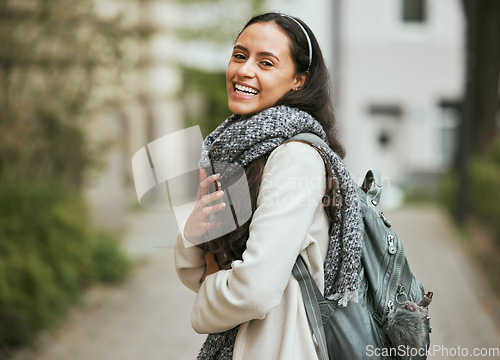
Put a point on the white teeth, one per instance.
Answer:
(245, 89)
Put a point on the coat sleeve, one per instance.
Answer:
(292, 188)
(189, 262)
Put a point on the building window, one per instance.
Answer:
(414, 11)
(387, 118)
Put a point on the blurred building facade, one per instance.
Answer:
(400, 79)
(397, 71)
(398, 76)
(149, 109)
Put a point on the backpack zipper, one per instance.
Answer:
(395, 276)
(388, 263)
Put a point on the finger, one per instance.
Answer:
(209, 198)
(205, 184)
(208, 210)
(219, 207)
(203, 177)
(203, 174)
(212, 265)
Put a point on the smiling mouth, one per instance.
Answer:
(245, 90)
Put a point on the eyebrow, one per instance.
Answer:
(262, 53)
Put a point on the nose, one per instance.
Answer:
(246, 70)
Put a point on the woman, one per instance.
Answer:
(247, 299)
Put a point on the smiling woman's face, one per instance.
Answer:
(261, 69)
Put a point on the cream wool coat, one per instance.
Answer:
(260, 292)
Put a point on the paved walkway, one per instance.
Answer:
(148, 318)
(462, 310)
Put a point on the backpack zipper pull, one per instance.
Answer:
(384, 219)
(390, 307)
(390, 242)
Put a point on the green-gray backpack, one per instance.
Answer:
(390, 319)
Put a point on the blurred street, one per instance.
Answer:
(88, 87)
(148, 318)
(463, 312)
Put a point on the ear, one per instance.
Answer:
(300, 79)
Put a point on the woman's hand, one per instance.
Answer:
(212, 265)
(198, 222)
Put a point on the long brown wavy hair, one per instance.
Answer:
(313, 97)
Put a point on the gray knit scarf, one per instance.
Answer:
(236, 143)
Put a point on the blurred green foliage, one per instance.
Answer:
(59, 61)
(483, 198)
(110, 260)
(482, 228)
(205, 98)
(216, 21)
(210, 22)
(48, 255)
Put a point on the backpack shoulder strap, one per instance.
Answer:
(372, 184)
(310, 138)
(311, 295)
(331, 186)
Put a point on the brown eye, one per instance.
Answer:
(239, 56)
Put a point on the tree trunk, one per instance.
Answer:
(483, 65)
